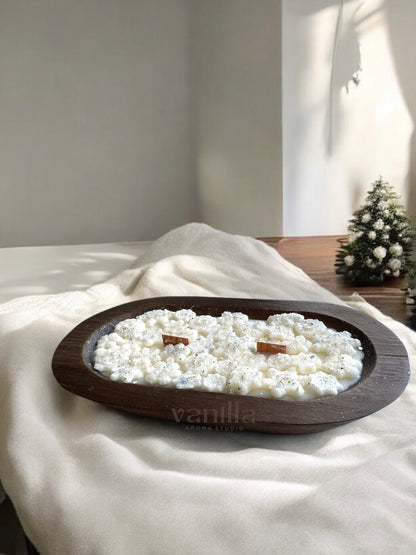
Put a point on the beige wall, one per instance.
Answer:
(338, 138)
(120, 119)
(94, 120)
(236, 86)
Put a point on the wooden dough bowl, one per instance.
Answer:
(384, 377)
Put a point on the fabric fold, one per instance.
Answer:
(88, 479)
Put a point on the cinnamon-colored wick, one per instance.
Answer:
(174, 339)
(263, 347)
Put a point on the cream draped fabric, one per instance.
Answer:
(86, 479)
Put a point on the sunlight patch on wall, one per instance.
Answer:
(346, 133)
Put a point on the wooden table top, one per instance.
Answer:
(315, 255)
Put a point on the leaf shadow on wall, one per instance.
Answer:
(400, 25)
(345, 64)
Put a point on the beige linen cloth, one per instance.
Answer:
(86, 479)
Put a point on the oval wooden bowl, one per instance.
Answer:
(384, 377)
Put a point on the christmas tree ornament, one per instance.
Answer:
(379, 242)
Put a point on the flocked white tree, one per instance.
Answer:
(380, 238)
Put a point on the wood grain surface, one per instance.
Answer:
(315, 255)
(384, 377)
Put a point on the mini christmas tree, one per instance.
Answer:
(380, 237)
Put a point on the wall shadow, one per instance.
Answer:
(400, 26)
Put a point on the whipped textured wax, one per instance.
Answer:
(221, 354)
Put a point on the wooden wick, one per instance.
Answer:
(263, 347)
(174, 339)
